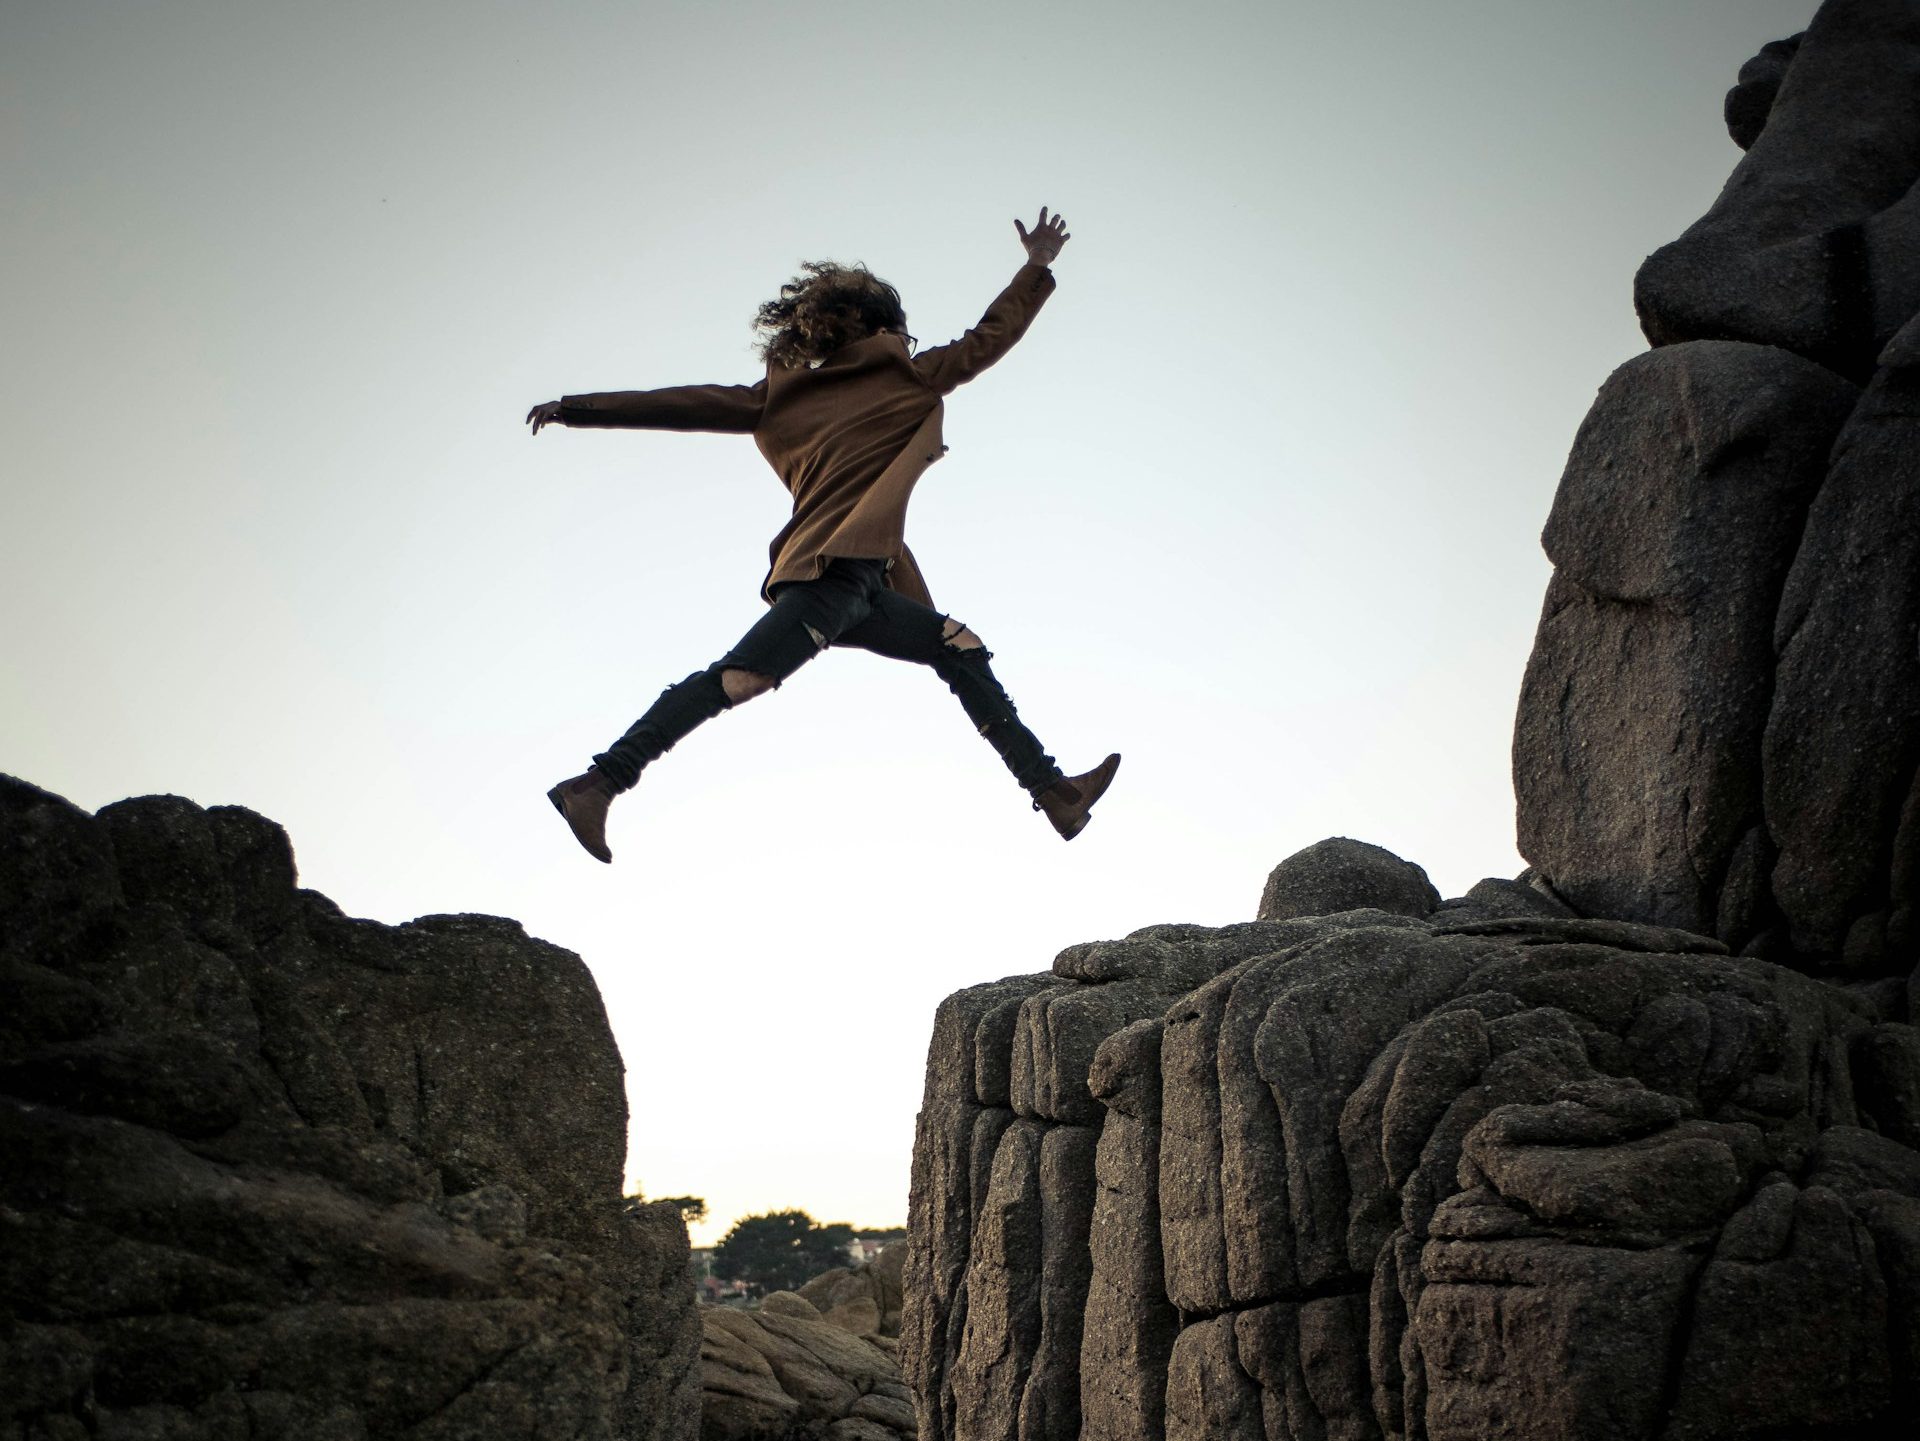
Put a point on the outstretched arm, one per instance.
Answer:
(1007, 319)
(677, 407)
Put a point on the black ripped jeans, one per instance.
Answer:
(849, 605)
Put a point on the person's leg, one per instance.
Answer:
(902, 629)
(804, 618)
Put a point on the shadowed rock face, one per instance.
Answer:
(1811, 247)
(1466, 1176)
(269, 1171)
(1720, 727)
(1637, 752)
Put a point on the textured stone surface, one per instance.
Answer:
(864, 1299)
(1636, 752)
(1130, 1323)
(778, 1372)
(266, 1170)
(966, 1111)
(1811, 246)
(1750, 101)
(1451, 1178)
(1592, 1326)
(1843, 740)
(1340, 874)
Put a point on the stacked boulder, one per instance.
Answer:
(864, 1299)
(1720, 725)
(269, 1171)
(817, 1362)
(782, 1370)
(1629, 1147)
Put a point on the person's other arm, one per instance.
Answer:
(676, 407)
(1007, 319)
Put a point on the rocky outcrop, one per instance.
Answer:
(1718, 728)
(1372, 1175)
(266, 1170)
(1626, 1149)
(772, 1371)
(1814, 245)
(864, 1299)
(783, 1372)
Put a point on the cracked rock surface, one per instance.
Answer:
(1463, 1176)
(783, 1370)
(267, 1171)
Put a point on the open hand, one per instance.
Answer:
(1046, 238)
(546, 413)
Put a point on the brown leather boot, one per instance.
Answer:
(1067, 802)
(583, 801)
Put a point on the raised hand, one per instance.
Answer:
(546, 413)
(1046, 238)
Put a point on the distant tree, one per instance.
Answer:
(780, 1250)
(692, 1208)
(882, 1233)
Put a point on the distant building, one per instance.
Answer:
(863, 1249)
(709, 1287)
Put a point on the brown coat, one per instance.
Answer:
(848, 437)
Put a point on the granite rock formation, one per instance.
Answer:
(784, 1372)
(1624, 1149)
(1720, 725)
(769, 1371)
(864, 1299)
(268, 1171)
(1467, 1176)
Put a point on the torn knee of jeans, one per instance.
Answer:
(954, 635)
(819, 640)
(756, 683)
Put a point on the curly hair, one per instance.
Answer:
(823, 308)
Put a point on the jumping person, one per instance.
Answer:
(849, 417)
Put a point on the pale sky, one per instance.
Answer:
(1256, 502)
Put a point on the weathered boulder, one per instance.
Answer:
(863, 1299)
(1814, 244)
(1340, 874)
(265, 1170)
(779, 1372)
(1636, 752)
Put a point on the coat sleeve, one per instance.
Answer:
(1006, 320)
(677, 407)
